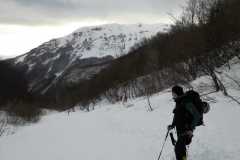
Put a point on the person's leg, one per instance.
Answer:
(180, 149)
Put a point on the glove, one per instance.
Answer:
(170, 127)
(189, 133)
(187, 137)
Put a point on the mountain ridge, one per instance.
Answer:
(83, 47)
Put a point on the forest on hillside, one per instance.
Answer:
(206, 36)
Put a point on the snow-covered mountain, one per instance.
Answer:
(84, 52)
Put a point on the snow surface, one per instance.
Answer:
(116, 132)
(130, 131)
(99, 41)
(110, 39)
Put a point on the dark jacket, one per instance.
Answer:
(186, 115)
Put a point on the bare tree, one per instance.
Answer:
(197, 11)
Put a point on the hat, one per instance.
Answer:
(178, 90)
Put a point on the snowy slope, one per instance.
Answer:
(116, 132)
(129, 131)
(98, 41)
(110, 39)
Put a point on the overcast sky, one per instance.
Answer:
(25, 24)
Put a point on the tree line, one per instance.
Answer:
(14, 96)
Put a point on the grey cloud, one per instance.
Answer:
(40, 12)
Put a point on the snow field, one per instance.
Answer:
(114, 132)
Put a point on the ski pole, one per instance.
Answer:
(163, 144)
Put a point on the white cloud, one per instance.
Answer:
(37, 12)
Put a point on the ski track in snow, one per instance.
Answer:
(114, 132)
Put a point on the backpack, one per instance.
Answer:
(201, 106)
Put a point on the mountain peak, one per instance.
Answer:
(86, 46)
